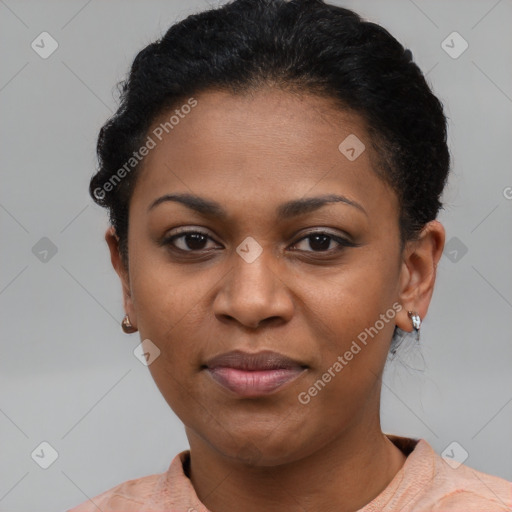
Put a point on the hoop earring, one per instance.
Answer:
(416, 322)
(127, 326)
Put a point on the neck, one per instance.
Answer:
(343, 476)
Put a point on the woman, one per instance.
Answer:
(273, 177)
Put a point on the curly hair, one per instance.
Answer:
(304, 46)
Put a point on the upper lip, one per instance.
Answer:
(264, 360)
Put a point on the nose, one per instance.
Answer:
(253, 294)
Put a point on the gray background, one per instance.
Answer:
(68, 374)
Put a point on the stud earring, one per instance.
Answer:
(127, 326)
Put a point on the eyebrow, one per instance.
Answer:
(286, 210)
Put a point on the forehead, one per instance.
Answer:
(265, 147)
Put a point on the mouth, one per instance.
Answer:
(252, 375)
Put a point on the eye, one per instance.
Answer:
(317, 242)
(188, 241)
(321, 242)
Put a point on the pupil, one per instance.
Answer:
(194, 241)
(322, 245)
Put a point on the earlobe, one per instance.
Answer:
(418, 273)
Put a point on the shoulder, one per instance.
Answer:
(451, 487)
(128, 496)
(159, 490)
(145, 493)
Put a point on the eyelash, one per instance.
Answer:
(343, 242)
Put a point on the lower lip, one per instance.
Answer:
(253, 383)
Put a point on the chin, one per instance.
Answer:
(260, 449)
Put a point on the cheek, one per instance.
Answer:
(352, 340)
(354, 322)
(351, 299)
(165, 296)
(170, 314)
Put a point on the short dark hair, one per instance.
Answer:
(302, 46)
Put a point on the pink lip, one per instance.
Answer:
(252, 375)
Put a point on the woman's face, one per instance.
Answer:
(258, 279)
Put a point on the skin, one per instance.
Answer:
(251, 153)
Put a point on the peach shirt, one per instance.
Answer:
(424, 483)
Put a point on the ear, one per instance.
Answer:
(115, 257)
(418, 273)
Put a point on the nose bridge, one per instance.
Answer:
(254, 276)
(252, 291)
